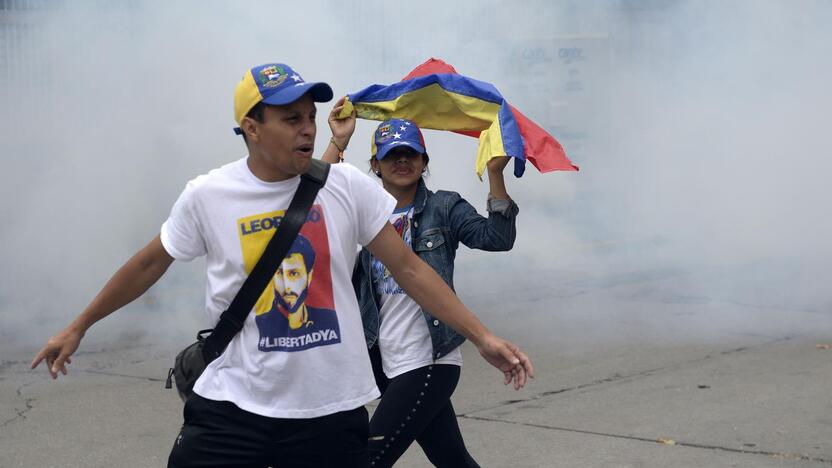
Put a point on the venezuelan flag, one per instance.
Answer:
(435, 96)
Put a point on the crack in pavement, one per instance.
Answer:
(616, 378)
(116, 374)
(29, 402)
(790, 456)
(803, 310)
(21, 413)
(621, 378)
(795, 456)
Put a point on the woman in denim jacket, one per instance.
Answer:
(416, 358)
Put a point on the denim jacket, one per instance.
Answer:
(441, 221)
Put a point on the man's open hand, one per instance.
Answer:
(58, 351)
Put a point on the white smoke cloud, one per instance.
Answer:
(705, 157)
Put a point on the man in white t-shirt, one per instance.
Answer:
(283, 399)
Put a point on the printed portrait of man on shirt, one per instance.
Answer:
(292, 324)
(295, 312)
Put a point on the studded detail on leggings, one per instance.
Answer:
(416, 407)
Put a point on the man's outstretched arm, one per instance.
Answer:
(129, 282)
(426, 287)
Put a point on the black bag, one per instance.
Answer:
(191, 361)
(188, 366)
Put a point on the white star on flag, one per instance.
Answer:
(295, 77)
(403, 128)
(397, 135)
(407, 123)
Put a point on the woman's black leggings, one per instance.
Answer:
(417, 406)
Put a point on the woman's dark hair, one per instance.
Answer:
(425, 170)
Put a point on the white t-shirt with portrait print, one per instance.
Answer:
(277, 367)
(403, 336)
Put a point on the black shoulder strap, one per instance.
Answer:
(232, 320)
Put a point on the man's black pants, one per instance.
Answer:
(218, 433)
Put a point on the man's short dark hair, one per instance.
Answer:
(255, 113)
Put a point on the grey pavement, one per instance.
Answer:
(665, 381)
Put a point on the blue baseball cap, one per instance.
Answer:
(394, 133)
(275, 84)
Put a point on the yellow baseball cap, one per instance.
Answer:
(276, 84)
